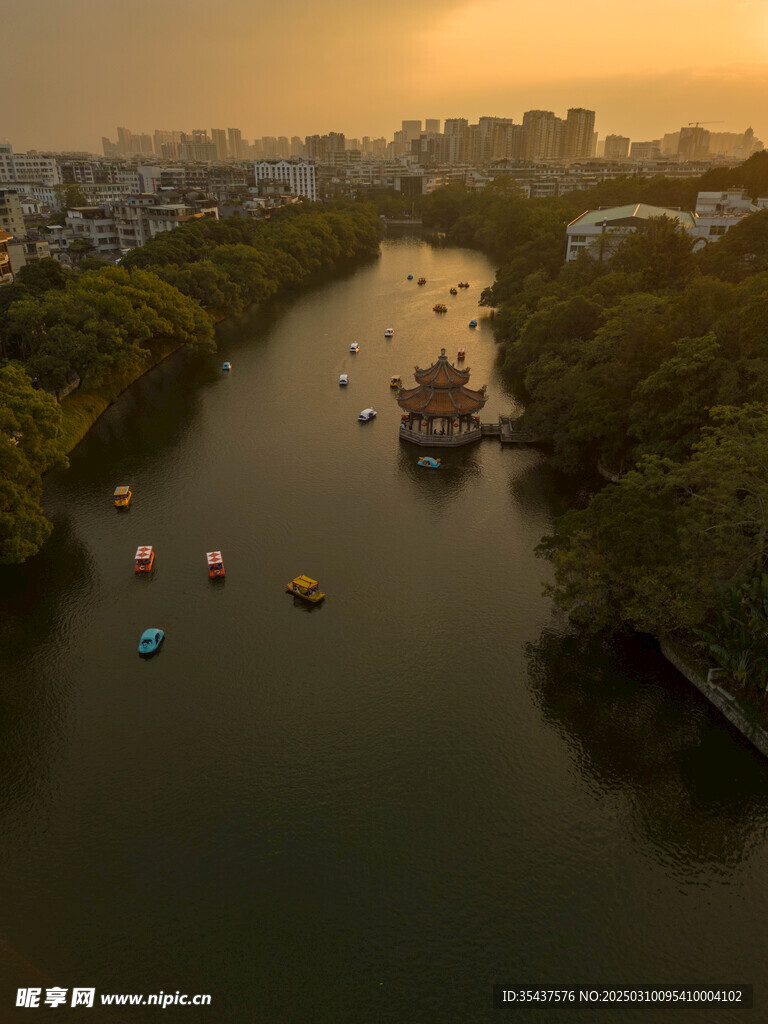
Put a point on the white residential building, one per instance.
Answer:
(718, 212)
(298, 174)
(94, 225)
(20, 167)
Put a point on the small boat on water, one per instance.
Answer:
(428, 462)
(145, 558)
(439, 308)
(354, 347)
(454, 291)
(395, 382)
(473, 323)
(226, 366)
(305, 588)
(367, 414)
(410, 277)
(389, 332)
(463, 284)
(151, 640)
(344, 378)
(422, 280)
(122, 497)
(461, 354)
(215, 565)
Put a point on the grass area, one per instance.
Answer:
(81, 409)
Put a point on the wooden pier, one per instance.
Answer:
(508, 432)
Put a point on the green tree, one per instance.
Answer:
(740, 253)
(30, 422)
(70, 196)
(655, 552)
(672, 403)
(660, 252)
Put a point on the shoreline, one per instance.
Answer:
(81, 410)
(725, 702)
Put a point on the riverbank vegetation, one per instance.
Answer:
(105, 326)
(651, 364)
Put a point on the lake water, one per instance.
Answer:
(370, 810)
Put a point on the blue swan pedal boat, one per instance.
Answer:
(473, 323)
(428, 462)
(151, 640)
(226, 366)
(410, 277)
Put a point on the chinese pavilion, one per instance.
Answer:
(441, 409)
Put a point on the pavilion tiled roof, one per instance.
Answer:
(442, 391)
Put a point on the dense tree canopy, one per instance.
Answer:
(29, 445)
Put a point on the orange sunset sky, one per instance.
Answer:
(72, 70)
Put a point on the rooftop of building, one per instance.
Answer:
(614, 216)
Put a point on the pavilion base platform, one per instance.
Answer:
(506, 430)
(425, 440)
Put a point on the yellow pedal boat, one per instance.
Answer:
(305, 588)
(122, 497)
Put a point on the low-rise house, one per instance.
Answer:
(6, 267)
(27, 250)
(718, 212)
(95, 225)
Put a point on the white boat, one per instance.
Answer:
(366, 414)
(354, 347)
(344, 379)
(389, 332)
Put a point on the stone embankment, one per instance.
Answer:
(723, 701)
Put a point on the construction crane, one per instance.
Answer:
(692, 124)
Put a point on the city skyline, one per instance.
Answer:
(454, 60)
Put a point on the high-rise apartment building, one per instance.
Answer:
(235, 140)
(492, 139)
(124, 144)
(456, 132)
(219, 138)
(543, 134)
(411, 130)
(616, 147)
(579, 129)
(694, 143)
(454, 125)
(299, 175)
(297, 146)
(432, 124)
(645, 150)
(197, 151)
(163, 137)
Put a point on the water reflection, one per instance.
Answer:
(459, 467)
(635, 726)
(44, 599)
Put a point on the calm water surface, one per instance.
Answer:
(371, 810)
